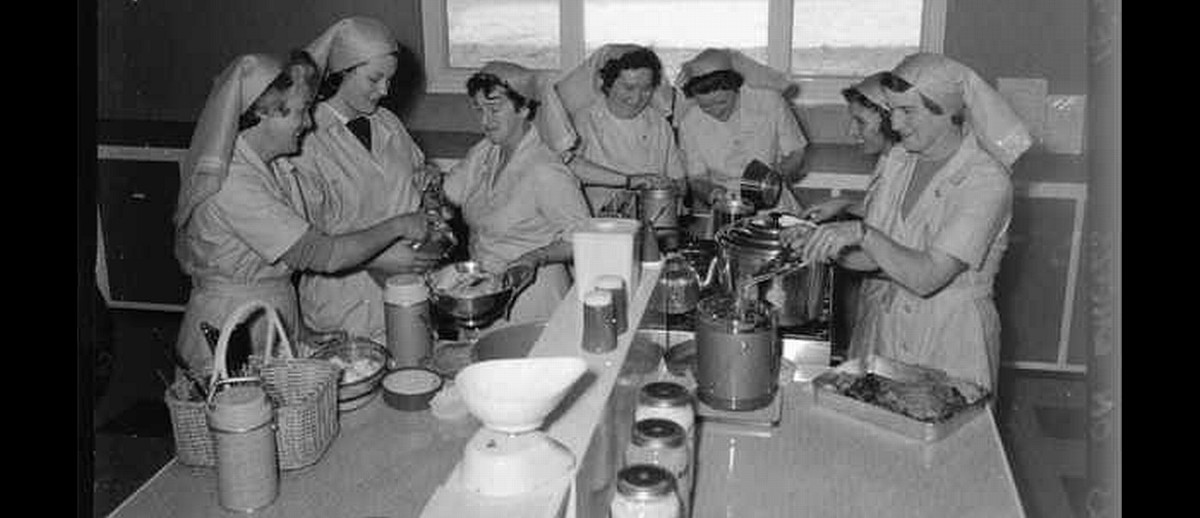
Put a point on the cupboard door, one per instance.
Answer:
(137, 201)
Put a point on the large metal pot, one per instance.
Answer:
(751, 246)
(738, 353)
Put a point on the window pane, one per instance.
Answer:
(521, 31)
(853, 37)
(678, 29)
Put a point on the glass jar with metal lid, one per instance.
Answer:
(644, 491)
(666, 400)
(662, 442)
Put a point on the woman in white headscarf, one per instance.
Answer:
(736, 113)
(241, 229)
(619, 106)
(519, 201)
(936, 223)
(360, 166)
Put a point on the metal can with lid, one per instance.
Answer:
(666, 400)
(644, 491)
(750, 246)
(241, 420)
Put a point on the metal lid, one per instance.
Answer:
(754, 233)
(657, 433)
(664, 394)
(645, 481)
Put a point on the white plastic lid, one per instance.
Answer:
(610, 282)
(405, 289)
(598, 298)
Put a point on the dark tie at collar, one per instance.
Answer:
(361, 128)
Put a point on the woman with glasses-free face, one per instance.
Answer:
(501, 121)
(365, 85)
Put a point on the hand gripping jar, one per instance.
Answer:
(644, 491)
(241, 420)
(662, 442)
(410, 329)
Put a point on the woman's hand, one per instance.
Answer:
(427, 176)
(828, 241)
(827, 209)
(521, 272)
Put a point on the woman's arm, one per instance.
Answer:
(321, 252)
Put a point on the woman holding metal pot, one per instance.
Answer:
(519, 201)
(619, 107)
(936, 224)
(740, 115)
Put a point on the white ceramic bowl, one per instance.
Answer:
(516, 395)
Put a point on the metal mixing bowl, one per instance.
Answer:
(468, 310)
(358, 393)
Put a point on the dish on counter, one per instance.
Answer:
(466, 283)
(915, 401)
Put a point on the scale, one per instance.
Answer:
(510, 455)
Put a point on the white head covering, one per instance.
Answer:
(755, 74)
(207, 161)
(583, 84)
(955, 87)
(551, 120)
(871, 87)
(350, 42)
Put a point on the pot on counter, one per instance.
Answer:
(738, 351)
(750, 246)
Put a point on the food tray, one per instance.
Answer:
(827, 396)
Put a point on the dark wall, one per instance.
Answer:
(157, 57)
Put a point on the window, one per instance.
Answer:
(825, 44)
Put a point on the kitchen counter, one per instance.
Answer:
(382, 463)
(818, 462)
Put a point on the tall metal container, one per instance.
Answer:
(749, 245)
(738, 353)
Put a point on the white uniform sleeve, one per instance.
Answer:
(977, 212)
(262, 219)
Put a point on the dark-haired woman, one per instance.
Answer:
(519, 201)
(871, 126)
(626, 142)
(360, 166)
(240, 224)
(736, 122)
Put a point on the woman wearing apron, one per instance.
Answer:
(936, 224)
(740, 115)
(359, 166)
(519, 201)
(240, 228)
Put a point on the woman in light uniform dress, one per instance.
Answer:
(936, 222)
(519, 201)
(352, 183)
(241, 228)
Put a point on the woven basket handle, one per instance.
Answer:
(274, 329)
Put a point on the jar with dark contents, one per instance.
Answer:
(645, 491)
(662, 442)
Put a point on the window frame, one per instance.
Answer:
(442, 78)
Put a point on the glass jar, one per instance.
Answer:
(663, 443)
(644, 491)
(666, 400)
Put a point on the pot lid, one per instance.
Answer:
(756, 233)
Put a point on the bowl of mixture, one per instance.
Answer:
(363, 363)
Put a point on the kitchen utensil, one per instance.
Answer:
(761, 185)
(363, 364)
(737, 353)
(509, 455)
(752, 247)
(470, 312)
(658, 206)
(725, 211)
(410, 388)
(678, 288)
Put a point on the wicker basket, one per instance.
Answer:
(303, 391)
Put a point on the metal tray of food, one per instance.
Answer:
(914, 401)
